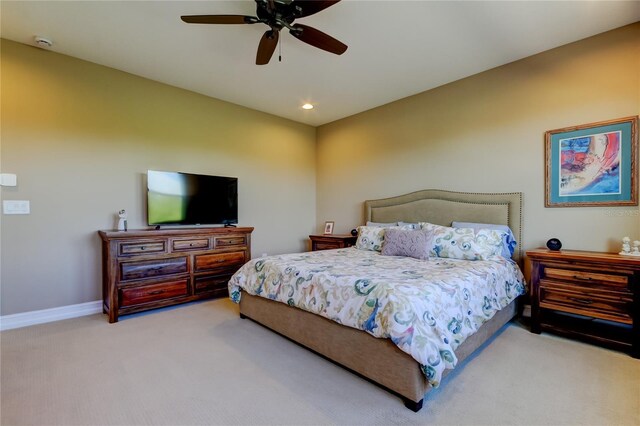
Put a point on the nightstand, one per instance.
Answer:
(588, 295)
(328, 242)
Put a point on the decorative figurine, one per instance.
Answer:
(122, 220)
(636, 248)
(626, 246)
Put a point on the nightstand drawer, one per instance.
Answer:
(584, 276)
(612, 307)
(329, 242)
(324, 245)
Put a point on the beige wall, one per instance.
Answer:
(485, 133)
(80, 138)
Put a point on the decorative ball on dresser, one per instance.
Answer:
(554, 244)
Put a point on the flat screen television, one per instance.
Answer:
(189, 199)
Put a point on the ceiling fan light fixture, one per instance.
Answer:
(307, 106)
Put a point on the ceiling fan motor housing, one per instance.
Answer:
(282, 14)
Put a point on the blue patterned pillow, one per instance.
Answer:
(509, 242)
(411, 243)
(370, 238)
(463, 243)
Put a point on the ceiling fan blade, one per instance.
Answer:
(267, 45)
(219, 19)
(309, 7)
(318, 39)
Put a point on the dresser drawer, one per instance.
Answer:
(142, 248)
(586, 276)
(185, 245)
(152, 293)
(612, 306)
(152, 268)
(230, 241)
(206, 262)
(212, 283)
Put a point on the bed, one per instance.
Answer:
(380, 360)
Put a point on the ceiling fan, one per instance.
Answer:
(279, 14)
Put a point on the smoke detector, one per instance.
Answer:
(42, 42)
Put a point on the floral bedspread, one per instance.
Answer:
(427, 308)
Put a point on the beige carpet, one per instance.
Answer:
(202, 364)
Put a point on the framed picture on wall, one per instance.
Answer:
(592, 164)
(328, 228)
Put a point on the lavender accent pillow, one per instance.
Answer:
(411, 243)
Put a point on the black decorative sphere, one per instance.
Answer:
(554, 244)
(354, 232)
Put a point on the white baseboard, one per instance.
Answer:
(8, 322)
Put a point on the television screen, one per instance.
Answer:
(189, 199)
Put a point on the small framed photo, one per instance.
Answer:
(592, 164)
(328, 228)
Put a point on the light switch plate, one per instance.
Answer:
(8, 179)
(16, 207)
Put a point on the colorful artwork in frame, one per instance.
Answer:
(592, 164)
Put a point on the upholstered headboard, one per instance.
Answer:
(443, 207)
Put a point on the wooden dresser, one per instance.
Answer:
(327, 242)
(147, 269)
(590, 295)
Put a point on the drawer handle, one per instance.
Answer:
(583, 301)
(156, 292)
(582, 277)
(191, 245)
(220, 260)
(141, 247)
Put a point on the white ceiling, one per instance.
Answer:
(396, 48)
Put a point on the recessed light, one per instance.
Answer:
(307, 106)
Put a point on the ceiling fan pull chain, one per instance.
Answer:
(280, 50)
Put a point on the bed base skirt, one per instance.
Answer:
(377, 360)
